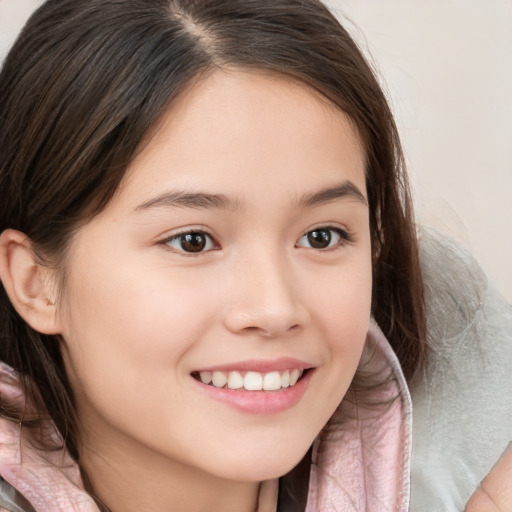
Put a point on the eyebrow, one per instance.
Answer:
(200, 200)
(196, 200)
(327, 195)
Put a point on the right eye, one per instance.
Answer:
(324, 238)
(191, 242)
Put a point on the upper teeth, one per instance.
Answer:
(252, 381)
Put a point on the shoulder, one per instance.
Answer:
(462, 412)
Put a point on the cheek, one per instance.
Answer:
(343, 313)
(129, 330)
(126, 348)
(134, 306)
(343, 300)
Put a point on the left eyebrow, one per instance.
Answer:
(196, 200)
(344, 190)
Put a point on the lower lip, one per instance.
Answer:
(260, 402)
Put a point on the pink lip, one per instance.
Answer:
(261, 366)
(258, 402)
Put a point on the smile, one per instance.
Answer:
(250, 380)
(253, 392)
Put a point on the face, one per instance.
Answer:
(236, 249)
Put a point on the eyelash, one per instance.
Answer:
(344, 238)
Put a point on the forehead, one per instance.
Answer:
(244, 133)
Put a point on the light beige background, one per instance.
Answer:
(447, 68)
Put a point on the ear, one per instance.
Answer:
(27, 283)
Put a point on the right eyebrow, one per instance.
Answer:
(197, 200)
(343, 190)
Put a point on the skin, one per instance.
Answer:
(495, 492)
(131, 342)
(138, 314)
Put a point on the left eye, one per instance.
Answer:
(323, 238)
(191, 242)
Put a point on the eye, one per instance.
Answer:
(324, 238)
(191, 242)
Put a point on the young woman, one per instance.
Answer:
(211, 281)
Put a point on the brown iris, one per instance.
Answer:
(193, 242)
(319, 238)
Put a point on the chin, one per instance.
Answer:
(266, 465)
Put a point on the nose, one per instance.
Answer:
(265, 298)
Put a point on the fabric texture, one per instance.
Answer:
(462, 397)
(361, 461)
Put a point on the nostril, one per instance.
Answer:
(270, 332)
(259, 318)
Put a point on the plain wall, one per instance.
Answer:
(446, 65)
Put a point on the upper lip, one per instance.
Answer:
(260, 365)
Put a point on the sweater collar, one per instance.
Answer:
(361, 459)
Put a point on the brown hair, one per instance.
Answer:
(87, 79)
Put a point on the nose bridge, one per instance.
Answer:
(266, 297)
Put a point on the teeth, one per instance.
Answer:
(294, 376)
(206, 377)
(252, 381)
(219, 379)
(272, 381)
(235, 380)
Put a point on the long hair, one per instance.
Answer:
(87, 79)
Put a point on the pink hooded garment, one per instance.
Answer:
(363, 463)
(359, 464)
